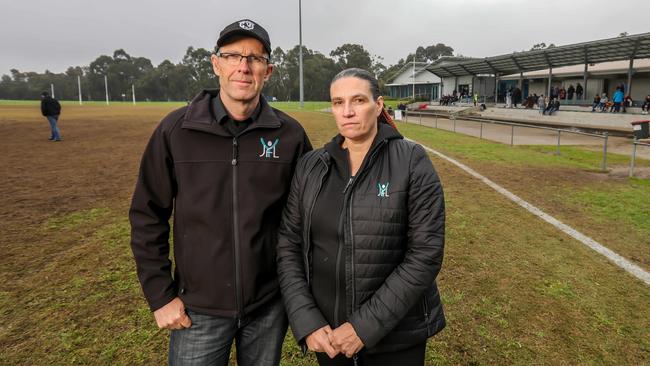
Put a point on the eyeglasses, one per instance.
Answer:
(234, 59)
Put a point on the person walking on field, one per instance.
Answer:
(51, 109)
(223, 165)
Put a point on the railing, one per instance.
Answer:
(635, 143)
(482, 121)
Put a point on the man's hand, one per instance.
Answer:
(345, 340)
(172, 315)
(318, 341)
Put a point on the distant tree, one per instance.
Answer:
(352, 55)
(198, 64)
(623, 34)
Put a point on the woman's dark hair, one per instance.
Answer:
(362, 74)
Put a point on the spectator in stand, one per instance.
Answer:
(475, 99)
(579, 91)
(646, 105)
(562, 93)
(596, 103)
(516, 96)
(618, 100)
(570, 91)
(553, 107)
(509, 98)
(627, 102)
(541, 104)
(602, 105)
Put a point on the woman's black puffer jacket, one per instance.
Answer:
(393, 245)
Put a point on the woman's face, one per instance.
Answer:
(354, 109)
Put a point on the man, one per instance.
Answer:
(51, 109)
(223, 164)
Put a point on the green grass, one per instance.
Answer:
(473, 148)
(628, 203)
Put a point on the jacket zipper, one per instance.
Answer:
(235, 224)
(308, 225)
(350, 186)
(341, 244)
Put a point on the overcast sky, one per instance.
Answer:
(36, 35)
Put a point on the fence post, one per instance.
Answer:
(605, 152)
(512, 136)
(559, 135)
(436, 121)
(481, 133)
(454, 124)
(420, 118)
(406, 118)
(633, 158)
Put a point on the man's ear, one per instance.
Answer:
(269, 71)
(216, 68)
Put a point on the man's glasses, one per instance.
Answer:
(234, 59)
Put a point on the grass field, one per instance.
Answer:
(516, 291)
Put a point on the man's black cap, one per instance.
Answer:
(245, 27)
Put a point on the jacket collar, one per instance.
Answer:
(333, 150)
(200, 116)
(384, 133)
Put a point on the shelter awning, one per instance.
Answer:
(612, 49)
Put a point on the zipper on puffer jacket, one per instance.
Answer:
(348, 202)
(235, 228)
(341, 244)
(307, 260)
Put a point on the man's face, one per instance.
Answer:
(242, 82)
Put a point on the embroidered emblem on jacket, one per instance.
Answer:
(268, 148)
(383, 190)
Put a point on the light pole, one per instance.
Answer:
(106, 88)
(302, 88)
(79, 85)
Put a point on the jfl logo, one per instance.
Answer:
(383, 190)
(268, 148)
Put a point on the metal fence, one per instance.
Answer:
(557, 133)
(635, 143)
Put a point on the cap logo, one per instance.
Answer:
(245, 24)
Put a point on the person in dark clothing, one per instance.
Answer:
(223, 166)
(596, 103)
(51, 109)
(361, 238)
(646, 105)
(516, 96)
(570, 92)
(579, 91)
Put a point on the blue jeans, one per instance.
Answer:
(258, 337)
(55, 135)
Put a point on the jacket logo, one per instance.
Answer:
(268, 148)
(383, 190)
(245, 24)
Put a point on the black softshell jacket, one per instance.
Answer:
(394, 222)
(227, 195)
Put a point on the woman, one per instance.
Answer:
(361, 238)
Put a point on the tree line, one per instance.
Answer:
(170, 81)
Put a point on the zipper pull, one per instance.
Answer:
(234, 151)
(348, 185)
(354, 358)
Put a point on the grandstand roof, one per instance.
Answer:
(612, 49)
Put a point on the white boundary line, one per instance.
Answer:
(625, 264)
